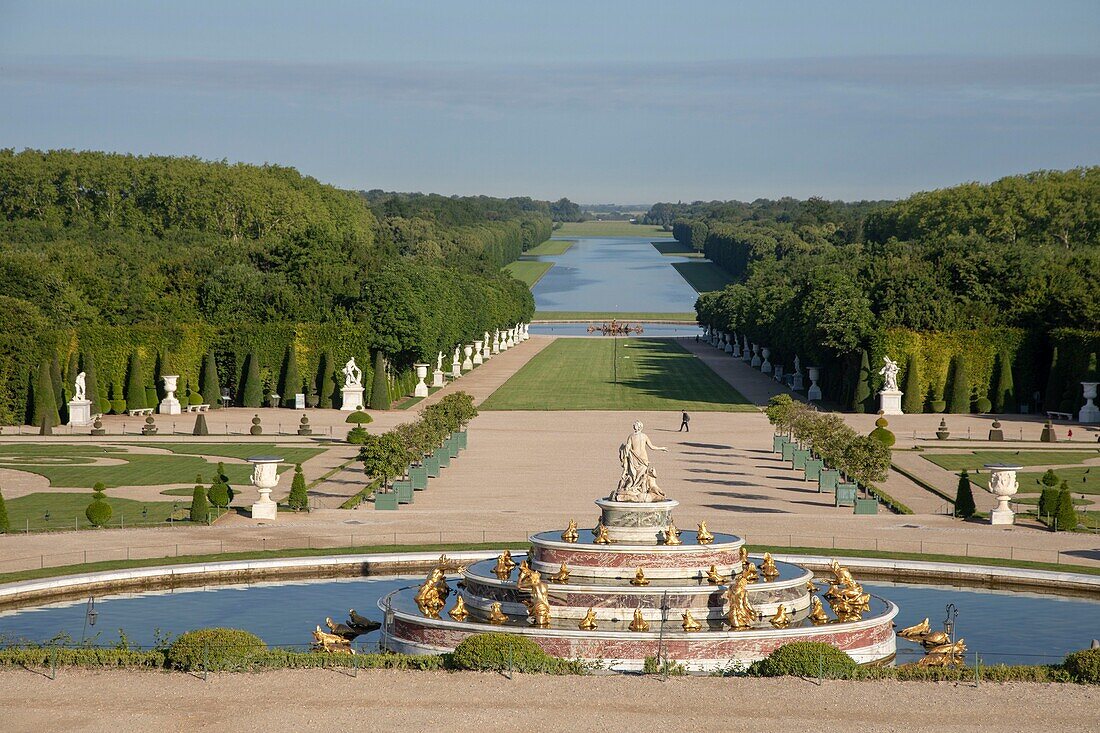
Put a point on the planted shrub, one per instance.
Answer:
(358, 434)
(251, 388)
(964, 498)
(882, 434)
(1048, 502)
(213, 649)
(959, 401)
(209, 383)
(91, 384)
(200, 508)
(135, 384)
(289, 381)
(912, 401)
(862, 395)
(326, 385)
(99, 511)
(380, 389)
(1004, 394)
(44, 400)
(805, 659)
(1066, 516)
(299, 497)
(5, 526)
(218, 495)
(498, 652)
(1084, 666)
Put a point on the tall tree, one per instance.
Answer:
(380, 389)
(964, 498)
(326, 385)
(289, 380)
(56, 380)
(959, 400)
(209, 383)
(861, 396)
(912, 401)
(251, 389)
(135, 384)
(44, 410)
(1004, 393)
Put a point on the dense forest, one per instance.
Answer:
(102, 255)
(992, 290)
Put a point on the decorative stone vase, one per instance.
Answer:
(265, 477)
(1003, 485)
(756, 360)
(814, 392)
(766, 365)
(1090, 413)
(478, 358)
(467, 363)
(421, 389)
(942, 433)
(170, 405)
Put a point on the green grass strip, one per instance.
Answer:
(529, 271)
(551, 248)
(704, 276)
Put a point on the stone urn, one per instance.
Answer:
(1090, 413)
(170, 405)
(766, 365)
(467, 363)
(814, 392)
(942, 433)
(1003, 485)
(265, 477)
(421, 389)
(478, 358)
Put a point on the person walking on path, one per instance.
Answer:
(684, 420)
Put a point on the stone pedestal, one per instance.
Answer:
(478, 358)
(496, 342)
(796, 382)
(1090, 413)
(421, 389)
(265, 476)
(814, 392)
(746, 350)
(766, 364)
(80, 413)
(351, 399)
(756, 360)
(299, 401)
(777, 372)
(729, 346)
(1002, 484)
(170, 405)
(437, 378)
(636, 523)
(467, 363)
(889, 401)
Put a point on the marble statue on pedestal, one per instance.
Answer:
(890, 396)
(496, 341)
(80, 389)
(80, 407)
(437, 375)
(352, 391)
(638, 482)
(487, 349)
(456, 364)
(796, 378)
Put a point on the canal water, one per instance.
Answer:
(614, 274)
(1002, 627)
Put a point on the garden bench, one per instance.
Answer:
(140, 412)
(1054, 415)
(198, 408)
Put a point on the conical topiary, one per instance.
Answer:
(1066, 516)
(200, 509)
(5, 526)
(964, 498)
(959, 400)
(380, 388)
(91, 384)
(912, 401)
(135, 384)
(45, 405)
(861, 397)
(289, 381)
(299, 497)
(209, 384)
(58, 383)
(1004, 391)
(326, 385)
(1048, 503)
(200, 425)
(252, 389)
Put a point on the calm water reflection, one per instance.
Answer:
(1003, 627)
(608, 274)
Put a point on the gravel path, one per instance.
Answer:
(380, 700)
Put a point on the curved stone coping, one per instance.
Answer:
(637, 506)
(722, 541)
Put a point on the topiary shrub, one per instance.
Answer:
(805, 659)
(299, 497)
(380, 389)
(99, 511)
(498, 652)
(1084, 666)
(1048, 502)
(959, 402)
(5, 526)
(200, 507)
(881, 434)
(1065, 516)
(964, 498)
(218, 495)
(983, 405)
(195, 399)
(213, 649)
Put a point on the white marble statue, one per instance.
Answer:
(638, 482)
(889, 372)
(456, 359)
(80, 389)
(353, 375)
(797, 365)
(439, 362)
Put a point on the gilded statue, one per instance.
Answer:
(702, 535)
(342, 630)
(326, 642)
(744, 556)
(750, 574)
(811, 587)
(690, 623)
(956, 649)
(768, 568)
(459, 612)
(672, 535)
(588, 623)
(505, 565)
(600, 534)
(945, 655)
(562, 576)
(639, 578)
(915, 631)
(432, 594)
(780, 620)
(362, 624)
(639, 623)
(496, 616)
(570, 534)
(741, 613)
(934, 639)
(713, 576)
(638, 481)
(817, 612)
(538, 606)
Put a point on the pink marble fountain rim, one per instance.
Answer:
(722, 541)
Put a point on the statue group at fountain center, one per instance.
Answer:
(638, 482)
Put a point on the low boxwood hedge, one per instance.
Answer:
(805, 659)
(506, 652)
(214, 649)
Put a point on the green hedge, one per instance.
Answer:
(506, 652)
(47, 656)
(213, 649)
(805, 659)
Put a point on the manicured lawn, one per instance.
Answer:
(704, 276)
(609, 229)
(73, 466)
(608, 315)
(676, 249)
(580, 374)
(977, 459)
(1081, 480)
(551, 247)
(529, 271)
(242, 451)
(67, 511)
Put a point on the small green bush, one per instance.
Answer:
(1084, 666)
(4, 525)
(299, 496)
(358, 418)
(499, 652)
(214, 649)
(1065, 515)
(805, 659)
(118, 407)
(195, 399)
(964, 498)
(882, 434)
(983, 405)
(99, 511)
(1048, 502)
(200, 507)
(357, 435)
(48, 655)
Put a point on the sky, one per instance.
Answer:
(601, 101)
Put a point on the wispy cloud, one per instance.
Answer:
(741, 85)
